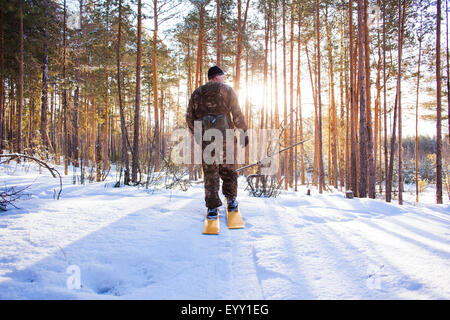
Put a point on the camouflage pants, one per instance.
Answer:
(212, 173)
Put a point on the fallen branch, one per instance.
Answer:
(9, 196)
(52, 170)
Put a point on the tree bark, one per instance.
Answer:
(276, 111)
(240, 31)
(438, 107)
(362, 192)
(125, 158)
(333, 117)
(107, 139)
(353, 147)
(20, 111)
(299, 109)
(135, 162)
(75, 148)
(319, 102)
(292, 164)
(198, 67)
(401, 17)
(65, 147)
(157, 146)
(314, 94)
(377, 118)
(369, 131)
(265, 71)
(386, 167)
(44, 97)
(219, 34)
(2, 87)
(448, 70)
(417, 107)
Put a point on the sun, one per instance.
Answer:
(254, 94)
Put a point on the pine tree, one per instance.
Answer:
(137, 109)
(125, 158)
(21, 75)
(438, 107)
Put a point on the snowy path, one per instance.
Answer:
(131, 244)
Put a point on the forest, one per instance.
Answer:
(91, 84)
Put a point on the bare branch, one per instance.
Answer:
(52, 170)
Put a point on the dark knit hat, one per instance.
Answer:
(214, 71)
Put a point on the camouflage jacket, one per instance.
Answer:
(215, 98)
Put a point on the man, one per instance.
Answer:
(214, 103)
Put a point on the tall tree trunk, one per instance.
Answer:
(198, 67)
(342, 137)
(52, 119)
(189, 75)
(219, 34)
(20, 111)
(391, 159)
(292, 166)
(98, 156)
(65, 143)
(93, 144)
(30, 130)
(347, 123)
(76, 98)
(356, 104)
(157, 146)
(265, 71)
(240, 32)
(438, 107)
(448, 70)
(276, 111)
(2, 87)
(417, 106)
(314, 93)
(106, 139)
(74, 147)
(369, 131)
(386, 167)
(59, 129)
(238, 48)
(362, 192)
(299, 109)
(135, 162)
(333, 108)
(125, 158)
(44, 97)
(353, 146)
(319, 102)
(285, 120)
(401, 17)
(377, 119)
(189, 85)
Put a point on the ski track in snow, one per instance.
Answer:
(130, 243)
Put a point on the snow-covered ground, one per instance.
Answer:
(130, 243)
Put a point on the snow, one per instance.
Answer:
(131, 243)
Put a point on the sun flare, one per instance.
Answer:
(253, 94)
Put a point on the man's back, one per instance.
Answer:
(214, 98)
